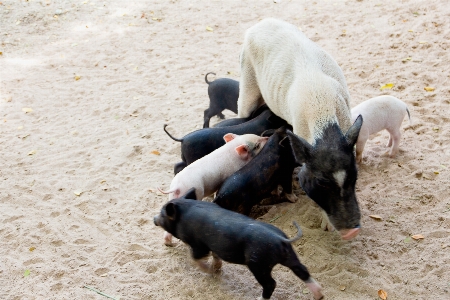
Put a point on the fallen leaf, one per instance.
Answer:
(77, 77)
(342, 287)
(209, 28)
(428, 88)
(26, 273)
(417, 236)
(382, 294)
(423, 42)
(376, 217)
(27, 109)
(102, 182)
(32, 152)
(156, 152)
(407, 239)
(104, 275)
(305, 291)
(387, 86)
(32, 249)
(436, 172)
(406, 59)
(77, 192)
(1, 53)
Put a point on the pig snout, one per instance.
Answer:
(156, 220)
(348, 234)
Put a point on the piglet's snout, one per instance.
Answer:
(348, 234)
(156, 220)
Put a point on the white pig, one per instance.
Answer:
(209, 172)
(383, 112)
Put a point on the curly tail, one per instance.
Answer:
(206, 77)
(297, 237)
(173, 138)
(409, 116)
(165, 192)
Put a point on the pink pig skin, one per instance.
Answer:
(383, 112)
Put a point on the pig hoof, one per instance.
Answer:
(292, 198)
(326, 224)
(315, 289)
(168, 239)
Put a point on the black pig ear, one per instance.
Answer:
(171, 211)
(353, 132)
(300, 147)
(190, 194)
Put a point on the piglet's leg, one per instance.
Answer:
(167, 239)
(315, 288)
(395, 136)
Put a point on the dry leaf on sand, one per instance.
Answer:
(387, 86)
(382, 294)
(376, 217)
(417, 236)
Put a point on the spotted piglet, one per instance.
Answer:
(383, 112)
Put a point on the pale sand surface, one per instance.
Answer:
(142, 64)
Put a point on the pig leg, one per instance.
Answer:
(178, 167)
(286, 184)
(216, 264)
(167, 239)
(362, 139)
(200, 255)
(326, 224)
(395, 136)
(249, 94)
(302, 272)
(262, 275)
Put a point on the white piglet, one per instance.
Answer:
(383, 112)
(208, 173)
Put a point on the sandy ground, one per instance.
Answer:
(78, 173)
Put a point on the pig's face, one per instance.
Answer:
(169, 215)
(328, 175)
(254, 143)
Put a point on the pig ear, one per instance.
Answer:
(229, 137)
(242, 151)
(190, 194)
(300, 147)
(171, 211)
(353, 132)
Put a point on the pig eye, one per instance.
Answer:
(322, 181)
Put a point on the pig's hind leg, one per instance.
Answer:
(394, 141)
(263, 276)
(302, 272)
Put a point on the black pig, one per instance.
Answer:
(223, 94)
(232, 237)
(255, 181)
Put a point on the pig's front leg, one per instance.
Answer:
(326, 223)
(168, 239)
